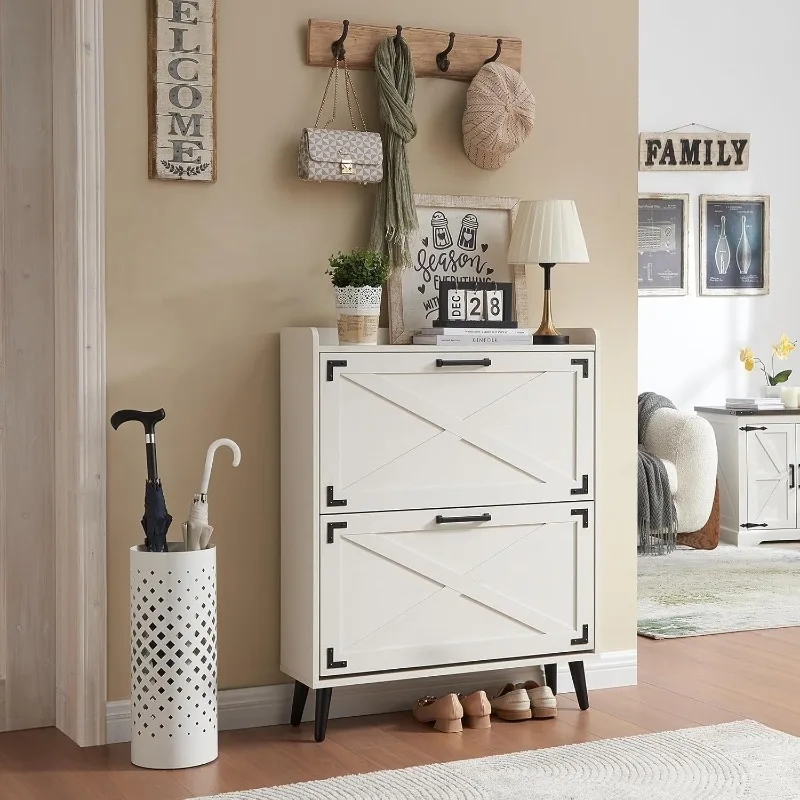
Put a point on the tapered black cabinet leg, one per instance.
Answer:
(579, 681)
(551, 677)
(323, 703)
(298, 703)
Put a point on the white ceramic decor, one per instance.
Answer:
(173, 657)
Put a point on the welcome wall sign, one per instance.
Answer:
(181, 96)
(683, 152)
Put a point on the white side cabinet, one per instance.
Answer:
(758, 473)
(437, 511)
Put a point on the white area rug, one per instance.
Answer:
(736, 760)
(697, 592)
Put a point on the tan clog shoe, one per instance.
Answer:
(543, 701)
(445, 712)
(477, 709)
(511, 703)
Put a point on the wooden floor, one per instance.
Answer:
(682, 683)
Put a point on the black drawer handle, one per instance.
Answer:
(475, 362)
(749, 525)
(791, 476)
(440, 520)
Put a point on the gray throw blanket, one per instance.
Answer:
(658, 519)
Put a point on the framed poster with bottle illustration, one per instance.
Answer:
(460, 239)
(734, 245)
(663, 244)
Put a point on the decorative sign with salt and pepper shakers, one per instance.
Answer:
(464, 240)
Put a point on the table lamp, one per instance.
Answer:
(547, 232)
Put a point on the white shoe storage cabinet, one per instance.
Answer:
(437, 511)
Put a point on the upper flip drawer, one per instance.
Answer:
(413, 430)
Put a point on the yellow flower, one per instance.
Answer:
(784, 348)
(749, 363)
(745, 354)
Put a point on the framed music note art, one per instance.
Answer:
(734, 245)
(462, 239)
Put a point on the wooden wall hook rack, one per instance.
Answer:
(466, 58)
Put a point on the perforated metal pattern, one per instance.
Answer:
(173, 655)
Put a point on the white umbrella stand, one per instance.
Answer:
(174, 643)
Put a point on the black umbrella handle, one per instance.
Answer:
(149, 419)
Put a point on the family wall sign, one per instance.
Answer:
(682, 152)
(181, 92)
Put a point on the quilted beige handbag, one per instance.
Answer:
(355, 156)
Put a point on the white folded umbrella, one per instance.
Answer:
(196, 530)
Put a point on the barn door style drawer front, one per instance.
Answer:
(410, 589)
(413, 430)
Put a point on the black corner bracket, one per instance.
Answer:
(584, 486)
(583, 513)
(332, 365)
(334, 664)
(332, 528)
(330, 500)
(577, 362)
(583, 640)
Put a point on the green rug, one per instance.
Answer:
(698, 592)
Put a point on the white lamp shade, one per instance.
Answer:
(547, 232)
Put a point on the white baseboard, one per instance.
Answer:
(270, 705)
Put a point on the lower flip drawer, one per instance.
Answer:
(414, 589)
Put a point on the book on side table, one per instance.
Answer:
(755, 403)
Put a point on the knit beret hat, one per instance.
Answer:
(499, 115)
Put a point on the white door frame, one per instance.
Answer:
(80, 379)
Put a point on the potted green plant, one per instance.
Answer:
(357, 278)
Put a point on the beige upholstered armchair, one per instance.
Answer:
(686, 445)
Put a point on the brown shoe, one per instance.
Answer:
(445, 712)
(477, 710)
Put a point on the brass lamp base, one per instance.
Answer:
(548, 333)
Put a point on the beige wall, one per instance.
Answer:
(202, 278)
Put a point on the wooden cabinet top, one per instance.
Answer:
(748, 412)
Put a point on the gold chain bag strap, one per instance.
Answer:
(354, 156)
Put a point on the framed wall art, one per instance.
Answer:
(459, 238)
(734, 245)
(663, 244)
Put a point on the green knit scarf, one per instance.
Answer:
(395, 214)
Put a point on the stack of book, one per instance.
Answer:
(468, 336)
(754, 403)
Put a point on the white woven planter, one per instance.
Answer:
(173, 657)
(357, 311)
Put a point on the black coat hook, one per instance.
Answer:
(337, 48)
(442, 61)
(399, 34)
(497, 54)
